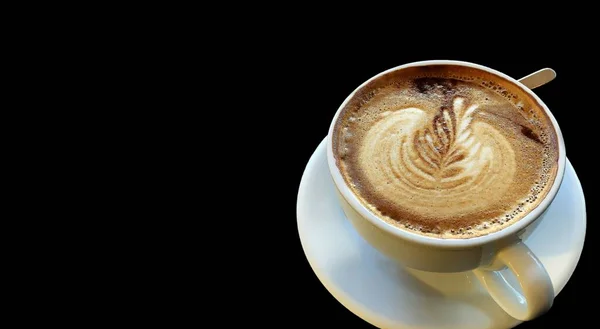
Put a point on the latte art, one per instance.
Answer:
(448, 154)
(437, 162)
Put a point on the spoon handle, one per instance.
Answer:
(538, 78)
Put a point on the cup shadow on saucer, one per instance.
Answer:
(454, 298)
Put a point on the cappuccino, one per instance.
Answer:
(446, 151)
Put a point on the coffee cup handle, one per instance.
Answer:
(538, 292)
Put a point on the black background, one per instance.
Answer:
(312, 86)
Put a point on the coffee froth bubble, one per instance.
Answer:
(446, 151)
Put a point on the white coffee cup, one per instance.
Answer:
(486, 255)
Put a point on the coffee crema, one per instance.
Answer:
(446, 151)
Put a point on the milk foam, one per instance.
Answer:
(448, 157)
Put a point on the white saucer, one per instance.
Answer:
(387, 295)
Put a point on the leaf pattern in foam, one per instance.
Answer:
(448, 144)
